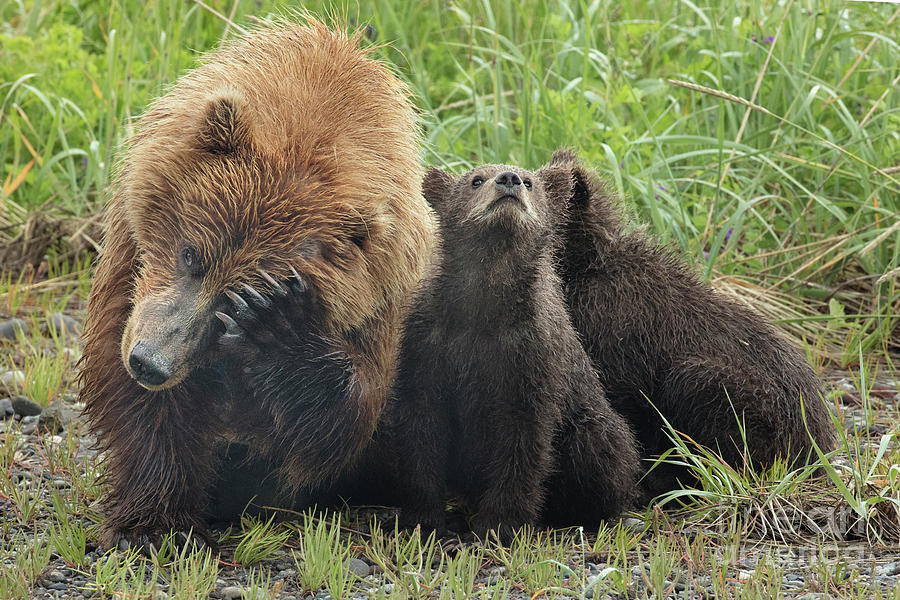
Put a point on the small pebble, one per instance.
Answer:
(29, 424)
(744, 575)
(889, 569)
(8, 329)
(55, 576)
(25, 407)
(357, 567)
(635, 525)
(65, 324)
(232, 593)
(12, 379)
(56, 417)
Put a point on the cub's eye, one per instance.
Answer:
(191, 260)
(477, 181)
(527, 183)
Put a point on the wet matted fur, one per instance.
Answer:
(659, 336)
(496, 400)
(290, 151)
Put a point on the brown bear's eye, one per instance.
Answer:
(477, 181)
(527, 183)
(191, 260)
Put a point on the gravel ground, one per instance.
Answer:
(796, 569)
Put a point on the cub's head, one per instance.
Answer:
(495, 200)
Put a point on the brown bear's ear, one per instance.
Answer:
(222, 130)
(435, 187)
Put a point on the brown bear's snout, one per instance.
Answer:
(166, 337)
(149, 367)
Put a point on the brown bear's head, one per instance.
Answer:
(266, 161)
(211, 225)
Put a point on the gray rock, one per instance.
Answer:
(29, 424)
(55, 576)
(11, 380)
(232, 593)
(635, 525)
(357, 567)
(889, 569)
(56, 417)
(65, 324)
(6, 408)
(8, 329)
(25, 407)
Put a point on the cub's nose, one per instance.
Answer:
(148, 366)
(507, 179)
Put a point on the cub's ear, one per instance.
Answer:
(582, 184)
(223, 130)
(436, 186)
(563, 156)
(557, 181)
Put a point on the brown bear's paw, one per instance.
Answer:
(267, 324)
(150, 544)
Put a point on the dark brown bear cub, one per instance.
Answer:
(496, 400)
(657, 334)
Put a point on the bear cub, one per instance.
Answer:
(496, 401)
(664, 342)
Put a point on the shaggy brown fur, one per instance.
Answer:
(496, 399)
(289, 151)
(655, 331)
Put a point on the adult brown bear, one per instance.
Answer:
(286, 164)
(664, 342)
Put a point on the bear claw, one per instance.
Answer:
(259, 301)
(276, 287)
(231, 326)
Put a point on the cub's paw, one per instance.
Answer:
(494, 529)
(428, 520)
(152, 544)
(259, 323)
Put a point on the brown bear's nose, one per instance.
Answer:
(507, 179)
(148, 366)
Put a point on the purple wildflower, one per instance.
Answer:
(770, 39)
(621, 164)
(728, 235)
(84, 161)
(662, 187)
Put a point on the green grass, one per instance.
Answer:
(771, 163)
(773, 166)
